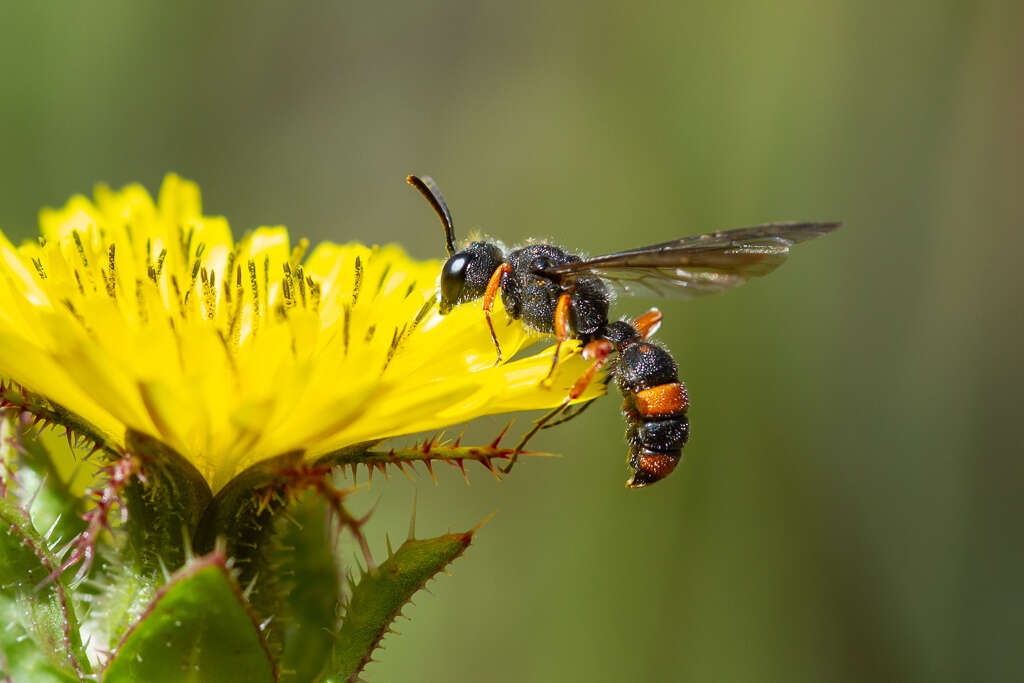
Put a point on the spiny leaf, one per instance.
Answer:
(34, 609)
(431, 450)
(30, 476)
(382, 593)
(165, 501)
(197, 629)
(164, 496)
(14, 396)
(123, 594)
(244, 513)
(310, 613)
(21, 658)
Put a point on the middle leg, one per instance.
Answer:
(563, 331)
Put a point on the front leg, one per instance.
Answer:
(493, 285)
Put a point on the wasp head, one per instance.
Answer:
(466, 273)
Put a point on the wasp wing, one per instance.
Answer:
(698, 265)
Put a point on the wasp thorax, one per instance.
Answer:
(465, 275)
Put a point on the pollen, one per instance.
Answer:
(135, 314)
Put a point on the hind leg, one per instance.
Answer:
(647, 324)
(575, 410)
(598, 351)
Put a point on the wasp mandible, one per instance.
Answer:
(562, 294)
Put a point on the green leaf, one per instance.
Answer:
(310, 612)
(244, 515)
(39, 639)
(197, 629)
(164, 496)
(164, 504)
(21, 658)
(11, 395)
(123, 595)
(39, 485)
(382, 593)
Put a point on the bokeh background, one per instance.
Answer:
(849, 507)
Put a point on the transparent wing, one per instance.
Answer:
(698, 265)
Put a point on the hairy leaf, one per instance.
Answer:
(165, 501)
(198, 628)
(37, 483)
(243, 513)
(382, 593)
(40, 636)
(310, 609)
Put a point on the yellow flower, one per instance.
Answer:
(147, 316)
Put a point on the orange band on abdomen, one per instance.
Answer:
(667, 399)
(659, 465)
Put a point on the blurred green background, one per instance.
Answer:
(849, 506)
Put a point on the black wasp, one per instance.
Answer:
(558, 293)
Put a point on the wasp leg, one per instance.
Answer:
(576, 409)
(597, 350)
(489, 294)
(647, 324)
(562, 332)
(537, 426)
(570, 414)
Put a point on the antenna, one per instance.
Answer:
(428, 188)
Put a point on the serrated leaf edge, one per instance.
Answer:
(466, 538)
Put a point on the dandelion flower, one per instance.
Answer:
(131, 314)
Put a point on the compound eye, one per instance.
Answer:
(453, 279)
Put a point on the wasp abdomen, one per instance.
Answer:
(664, 436)
(643, 365)
(655, 408)
(662, 400)
(651, 466)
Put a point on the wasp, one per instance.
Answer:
(562, 294)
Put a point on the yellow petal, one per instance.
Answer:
(144, 315)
